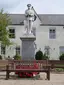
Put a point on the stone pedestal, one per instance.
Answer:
(28, 47)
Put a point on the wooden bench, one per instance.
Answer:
(56, 63)
(43, 67)
(3, 64)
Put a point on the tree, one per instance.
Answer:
(4, 22)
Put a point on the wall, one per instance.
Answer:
(19, 30)
(43, 40)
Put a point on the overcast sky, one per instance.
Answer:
(40, 6)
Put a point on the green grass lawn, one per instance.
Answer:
(60, 69)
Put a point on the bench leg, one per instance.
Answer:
(7, 72)
(48, 75)
(7, 75)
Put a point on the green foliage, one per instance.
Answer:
(45, 57)
(17, 57)
(59, 69)
(4, 22)
(61, 57)
(40, 56)
(0, 57)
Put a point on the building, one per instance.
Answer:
(48, 29)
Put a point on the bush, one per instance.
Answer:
(45, 57)
(61, 57)
(0, 57)
(17, 57)
(40, 56)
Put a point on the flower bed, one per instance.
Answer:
(27, 74)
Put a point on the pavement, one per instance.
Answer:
(55, 79)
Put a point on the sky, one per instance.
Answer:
(40, 6)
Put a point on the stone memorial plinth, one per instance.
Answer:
(28, 48)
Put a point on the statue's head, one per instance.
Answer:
(29, 6)
(29, 12)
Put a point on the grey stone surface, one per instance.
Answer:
(28, 48)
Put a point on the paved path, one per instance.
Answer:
(56, 79)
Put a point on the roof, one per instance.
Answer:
(17, 18)
(52, 19)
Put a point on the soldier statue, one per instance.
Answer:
(29, 15)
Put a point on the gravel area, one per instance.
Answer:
(55, 79)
